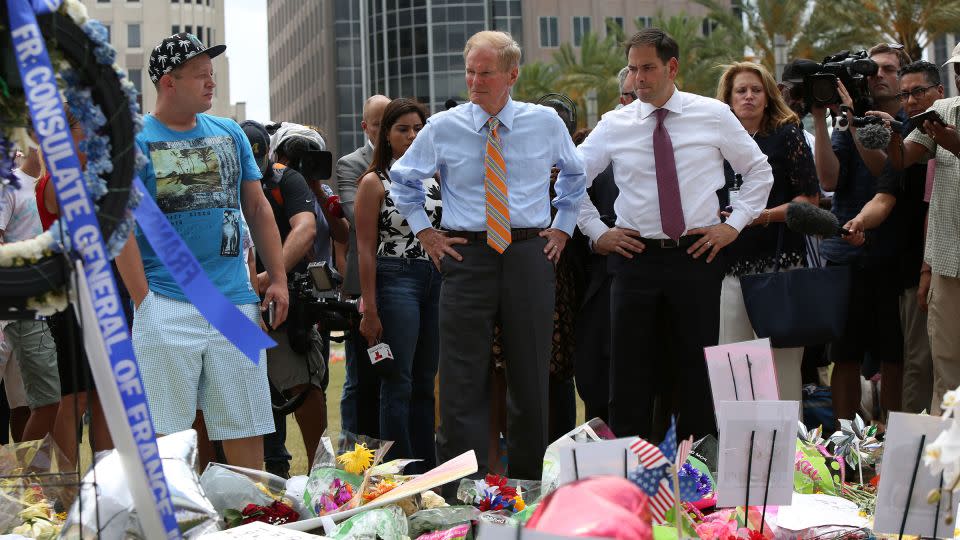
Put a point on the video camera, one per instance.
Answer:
(816, 83)
(316, 290)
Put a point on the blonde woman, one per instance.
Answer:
(752, 94)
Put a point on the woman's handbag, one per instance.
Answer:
(797, 308)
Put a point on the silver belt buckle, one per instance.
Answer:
(669, 243)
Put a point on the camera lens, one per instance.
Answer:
(823, 91)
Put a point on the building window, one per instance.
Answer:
(618, 21)
(136, 78)
(174, 1)
(103, 1)
(209, 39)
(175, 29)
(133, 36)
(708, 26)
(200, 33)
(109, 33)
(581, 27)
(644, 22)
(549, 35)
(188, 28)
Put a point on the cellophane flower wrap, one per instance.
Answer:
(341, 472)
(36, 486)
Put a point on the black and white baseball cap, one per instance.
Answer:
(175, 50)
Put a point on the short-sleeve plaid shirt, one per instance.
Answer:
(943, 224)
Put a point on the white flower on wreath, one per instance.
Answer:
(943, 454)
(26, 250)
(41, 530)
(76, 11)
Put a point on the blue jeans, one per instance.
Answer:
(408, 300)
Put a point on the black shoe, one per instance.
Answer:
(279, 468)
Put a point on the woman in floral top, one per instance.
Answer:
(753, 96)
(400, 288)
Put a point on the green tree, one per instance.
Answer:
(594, 69)
(535, 80)
(912, 23)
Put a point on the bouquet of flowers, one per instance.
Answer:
(33, 490)
(38, 517)
(497, 493)
(243, 495)
(342, 471)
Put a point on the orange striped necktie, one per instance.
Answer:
(495, 183)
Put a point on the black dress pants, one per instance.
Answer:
(516, 288)
(665, 308)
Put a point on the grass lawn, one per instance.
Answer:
(298, 464)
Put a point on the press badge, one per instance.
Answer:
(379, 352)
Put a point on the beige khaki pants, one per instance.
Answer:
(917, 362)
(943, 324)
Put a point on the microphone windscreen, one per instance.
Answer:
(451, 103)
(874, 136)
(806, 218)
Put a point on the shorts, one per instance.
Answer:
(187, 364)
(72, 360)
(288, 368)
(873, 319)
(31, 344)
(10, 375)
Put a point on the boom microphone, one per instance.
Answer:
(806, 218)
(874, 136)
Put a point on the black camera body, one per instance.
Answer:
(852, 69)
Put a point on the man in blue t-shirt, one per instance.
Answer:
(201, 171)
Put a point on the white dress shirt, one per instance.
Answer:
(704, 132)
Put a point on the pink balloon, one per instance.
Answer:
(603, 506)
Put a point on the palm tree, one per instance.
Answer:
(595, 69)
(912, 23)
(536, 79)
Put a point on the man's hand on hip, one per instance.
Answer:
(619, 240)
(715, 238)
(556, 241)
(438, 245)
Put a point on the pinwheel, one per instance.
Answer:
(812, 437)
(856, 443)
(658, 467)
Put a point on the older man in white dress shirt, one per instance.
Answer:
(667, 151)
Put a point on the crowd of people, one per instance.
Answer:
(509, 261)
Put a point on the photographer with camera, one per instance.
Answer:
(937, 138)
(902, 196)
(292, 366)
(849, 169)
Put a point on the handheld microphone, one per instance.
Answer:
(806, 218)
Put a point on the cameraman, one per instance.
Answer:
(292, 366)
(850, 170)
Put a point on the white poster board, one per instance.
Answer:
(902, 450)
(773, 425)
(599, 458)
(742, 371)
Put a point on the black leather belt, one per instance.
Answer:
(516, 235)
(668, 243)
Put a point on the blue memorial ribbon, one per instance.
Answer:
(78, 214)
(197, 287)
